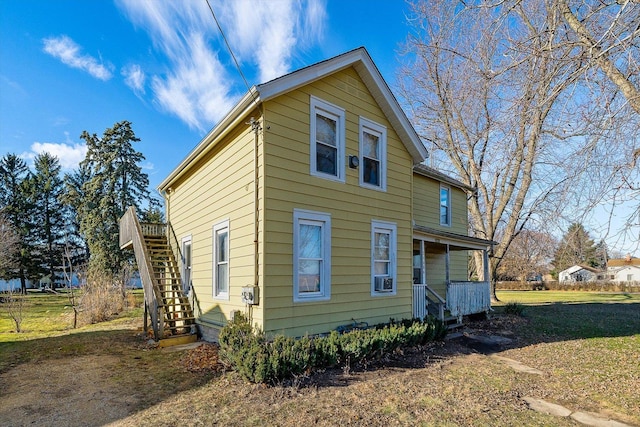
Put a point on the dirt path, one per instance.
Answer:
(74, 391)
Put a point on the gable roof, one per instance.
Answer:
(577, 267)
(358, 58)
(623, 262)
(429, 172)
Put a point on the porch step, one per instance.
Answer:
(452, 322)
(177, 340)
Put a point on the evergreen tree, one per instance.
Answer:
(49, 214)
(73, 199)
(576, 247)
(16, 196)
(116, 182)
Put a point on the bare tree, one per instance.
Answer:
(607, 32)
(70, 271)
(499, 91)
(13, 303)
(529, 255)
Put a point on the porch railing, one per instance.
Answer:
(426, 302)
(464, 298)
(153, 229)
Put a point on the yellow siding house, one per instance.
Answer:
(307, 208)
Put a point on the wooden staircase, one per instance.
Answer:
(179, 319)
(171, 314)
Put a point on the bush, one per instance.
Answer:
(514, 308)
(102, 298)
(259, 360)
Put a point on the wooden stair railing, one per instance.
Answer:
(170, 311)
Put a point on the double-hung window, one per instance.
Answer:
(383, 258)
(327, 140)
(373, 154)
(221, 260)
(311, 256)
(445, 205)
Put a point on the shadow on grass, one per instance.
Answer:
(540, 323)
(560, 321)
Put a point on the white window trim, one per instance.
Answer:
(186, 239)
(392, 228)
(325, 286)
(318, 106)
(216, 228)
(374, 128)
(448, 223)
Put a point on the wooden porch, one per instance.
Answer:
(440, 276)
(166, 304)
(462, 299)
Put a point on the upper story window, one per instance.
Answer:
(445, 205)
(311, 256)
(383, 258)
(327, 140)
(221, 260)
(373, 154)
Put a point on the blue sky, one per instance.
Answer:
(72, 65)
(69, 65)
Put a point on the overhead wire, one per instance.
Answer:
(233, 56)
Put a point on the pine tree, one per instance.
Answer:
(116, 182)
(73, 199)
(49, 214)
(575, 248)
(16, 200)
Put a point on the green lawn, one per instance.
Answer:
(585, 343)
(543, 297)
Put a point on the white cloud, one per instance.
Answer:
(69, 155)
(198, 88)
(134, 77)
(195, 90)
(270, 39)
(67, 51)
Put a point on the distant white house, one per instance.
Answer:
(629, 273)
(5, 285)
(625, 269)
(579, 273)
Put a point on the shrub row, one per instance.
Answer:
(261, 360)
(599, 286)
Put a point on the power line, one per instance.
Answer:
(226, 42)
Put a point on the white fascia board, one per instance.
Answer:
(369, 73)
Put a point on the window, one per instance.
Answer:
(445, 205)
(373, 153)
(186, 264)
(327, 140)
(221, 260)
(383, 258)
(629, 277)
(311, 256)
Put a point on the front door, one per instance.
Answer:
(186, 265)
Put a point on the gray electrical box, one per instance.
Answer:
(250, 295)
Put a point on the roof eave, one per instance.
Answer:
(439, 176)
(462, 240)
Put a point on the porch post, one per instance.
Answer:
(485, 264)
(446, 265)
(423, 262)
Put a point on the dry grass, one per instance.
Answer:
(588, 354)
